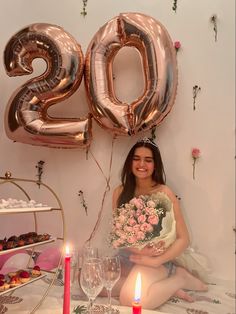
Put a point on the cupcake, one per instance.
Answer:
(15, 281)
(24, 276)
(35, 272)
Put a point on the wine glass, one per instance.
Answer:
(91, 279)
(89, 252)
(111, 274)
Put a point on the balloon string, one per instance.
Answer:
(107, 189)
(97, 163)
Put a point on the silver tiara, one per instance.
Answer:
(147, 140)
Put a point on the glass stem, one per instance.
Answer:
(109, 300)
(90, 305)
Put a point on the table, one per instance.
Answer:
(53, 304)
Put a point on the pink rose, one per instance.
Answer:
(137, 202)
(128, 229)
(131, 221)
(131, 239)
(136, 228)
(177, 45)
(153, 219)
(145, 227)
(196, 153)
(140, 235)
(150, 210)
(141, 219)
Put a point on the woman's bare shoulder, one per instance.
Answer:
(165, 189)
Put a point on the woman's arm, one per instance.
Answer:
(180, 244)
(116, 195)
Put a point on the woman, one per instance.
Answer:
(143, 174)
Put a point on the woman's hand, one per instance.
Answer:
(151, 261)
(151, 249)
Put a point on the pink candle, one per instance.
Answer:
(136, 306)
(66, 301)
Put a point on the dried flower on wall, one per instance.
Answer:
(177, 45)
(174, 6)
(84, 12)
(39, 174)
(81, 195)
(196, 90)
(196, 153)
(213, 20)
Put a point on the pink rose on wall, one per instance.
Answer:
(196, 153)
(177, 45)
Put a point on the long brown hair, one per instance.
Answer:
(127, 176)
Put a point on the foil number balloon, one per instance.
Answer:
(26, 118)
(155, 46)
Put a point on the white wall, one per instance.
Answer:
(208, 201)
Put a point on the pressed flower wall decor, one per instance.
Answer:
(39, 174)
(174, 6)
(84, 12)
(81, 195)
(196, 153)
(214, 22)
(196, 90)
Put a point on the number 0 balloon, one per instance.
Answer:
(158, 57)
(26, 118)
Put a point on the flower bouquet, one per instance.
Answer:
(147, 219)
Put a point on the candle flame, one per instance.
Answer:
(137, 292)
(67, 250)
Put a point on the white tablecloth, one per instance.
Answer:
(53, 304)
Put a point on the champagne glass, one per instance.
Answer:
(91, 279)
(89, 252)
(111, 274)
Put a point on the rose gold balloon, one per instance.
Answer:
(160, 70)
(26, 118)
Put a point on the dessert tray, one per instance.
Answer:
(27, 246)
(24, 209)
(23, 284)
(12, 205)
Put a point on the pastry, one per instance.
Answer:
(35, 272)
(15, 281)
(29, 240)
(13, 238)
(24, 276)
(20, 242)
(10, 244)
(6, 286)
(2, 286)
(12, 274)
(46, 236)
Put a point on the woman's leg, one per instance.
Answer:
(157, 287)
